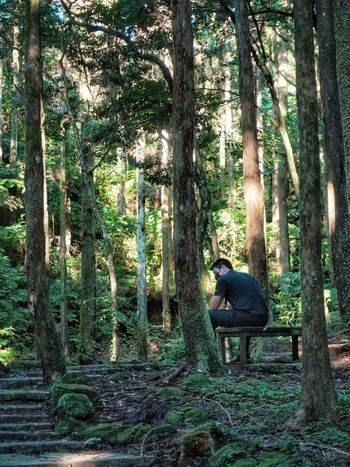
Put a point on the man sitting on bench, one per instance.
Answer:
(243, 292)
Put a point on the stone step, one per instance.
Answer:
(79, 459)
(20, 382)
(36, 447)
(23, 417)
(22, 395)
(19, 408)
(26, 426)
(28, 435)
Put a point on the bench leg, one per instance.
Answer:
(221, 348)
(295, 347)
(243, 349)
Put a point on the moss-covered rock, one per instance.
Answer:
(200, 441)
(76, 406)
(59, 388)
(187, 415)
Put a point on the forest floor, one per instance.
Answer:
(181, 418)
(169, 416)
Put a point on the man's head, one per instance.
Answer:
(221, 266)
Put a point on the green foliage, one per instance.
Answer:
(7, 352)
(286, 303)
(75, 405)
(15, 323)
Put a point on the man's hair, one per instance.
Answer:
(221, 262)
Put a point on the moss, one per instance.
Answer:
(122, 376)
(74, 378)
(186, 415)
(168, 393)
(229, 452)
(101, 431)
(162, 430)
(278, 459)
(76, 406)
(197, 382)
(66, 427)
(129, 434)
(58, 389)
(249, 462)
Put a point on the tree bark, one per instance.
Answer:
(86, 352)
(63, 249)
(253, 191)
(14, 97)
(142, 320)
(318, 392)
(48, 344)
(334, 152)
(342, 35)
(282, 168)
(200, 346)
(1, 111)
(166, 239)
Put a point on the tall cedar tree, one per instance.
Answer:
(342, 35)
(48, 344)
(199, 340)
(253, 190)
(318, 393)
(334, 151)
(86, 353)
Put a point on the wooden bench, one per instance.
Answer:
(248, 331)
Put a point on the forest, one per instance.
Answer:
(139, 142)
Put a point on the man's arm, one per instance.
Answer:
(215, 302)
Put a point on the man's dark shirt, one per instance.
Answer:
(242, 291)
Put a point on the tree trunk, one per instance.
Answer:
(142, 320)
(121, 198)
(88, 260)
(253, 191)
(318, 392)
(334, 152)
(199, 339)
(63, 249)
(166, 239)
(342, 36)
(282, 169)
(48, 344)
(206, 229)
(283, 230)
(280, 119)
(14, 97)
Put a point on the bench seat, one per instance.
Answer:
(252, 331)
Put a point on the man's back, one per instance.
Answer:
(242, 291)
